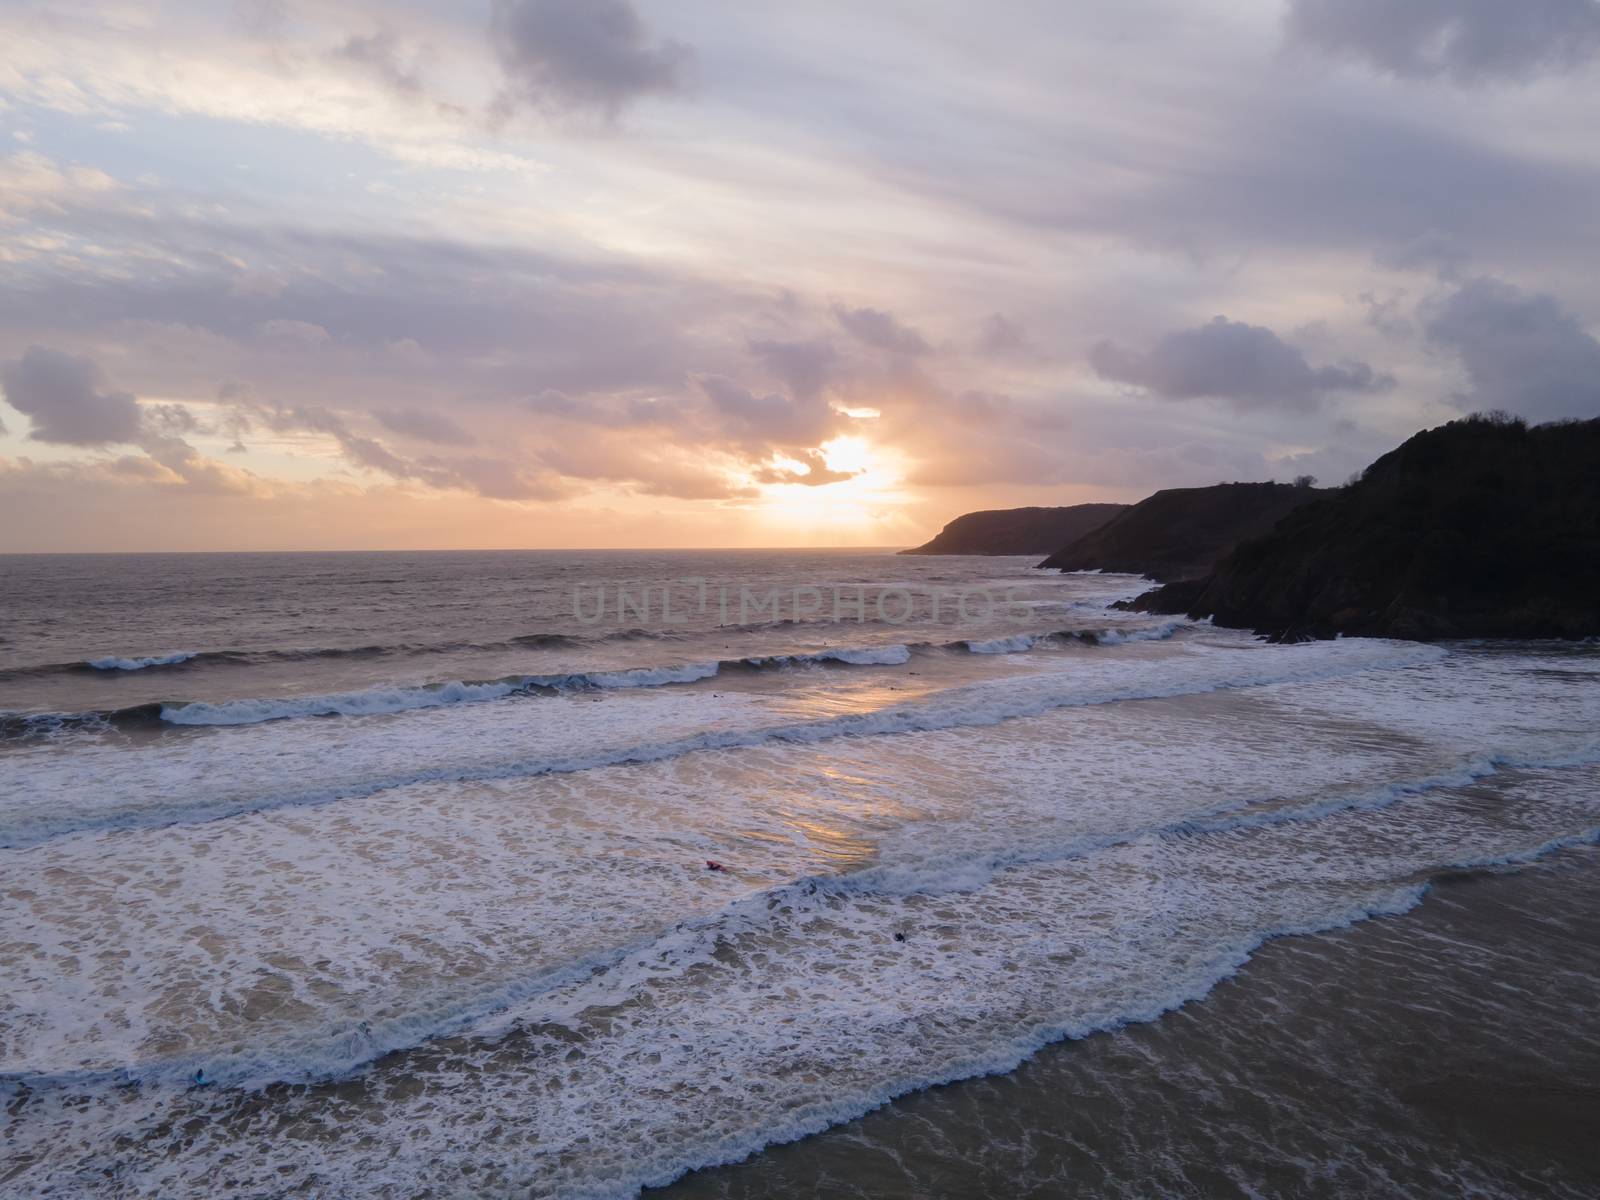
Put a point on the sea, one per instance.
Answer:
(776, 873)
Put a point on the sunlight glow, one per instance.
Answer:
(846, 511)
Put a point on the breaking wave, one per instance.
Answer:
(397, 699)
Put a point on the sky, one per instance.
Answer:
(624, 273)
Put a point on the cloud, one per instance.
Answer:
(379, 55)
(563, 55)
(493, 478)
(265, 19)
(759, 423)
(1432, 251)
(1248, 365)
(67, 400)
(1001, 336)
(803, 366)
(424, 426)
(880, 330)
(170, 420)
(816, 472)
(188, 465)
(655, 469)
(302, 334)
(1467, 41)
(362, 451)
(31, 183)
(1522, 351)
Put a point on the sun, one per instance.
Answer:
(853, 454)
(848, 510)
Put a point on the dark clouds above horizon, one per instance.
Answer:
(614, 271)
(1468, 41)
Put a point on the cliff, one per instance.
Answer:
(1480, 528)
(1182, 533)
(1018, 530)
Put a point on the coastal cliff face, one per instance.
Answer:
(1182, 533)
(1018, 530)
(1480, 528)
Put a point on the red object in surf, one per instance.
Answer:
(713, 865)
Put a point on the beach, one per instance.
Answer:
(1450, 1051)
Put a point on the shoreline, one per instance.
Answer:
(1449, 1047)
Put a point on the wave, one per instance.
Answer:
(493, 1013)
(381, 701)
(868, 656)
(250, 658)
(975, 705)
(389, 700)
(192, 659)
(1003, 1055)
(1023, 642)
(140, 664)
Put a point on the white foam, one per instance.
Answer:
(1087, 842)
(385, 700)
(1154, 633)
(114, 663)
(1117, 636)
(794, 1008)
(364, 703)
(162, 784)
(1017, 643)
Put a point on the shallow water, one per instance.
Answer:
(1452, 1051)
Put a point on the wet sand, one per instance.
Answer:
(1451, 1051)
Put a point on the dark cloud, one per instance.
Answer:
(1248, 365)
(424, 426)
(804, 367)
(1000, 336)
(1432, 251)
(67, 400)
(880, 330)
(1384, 314)
(1468, 41)
(816, 472)
(264, 19)
(1293, 176)
(762, 423)
(1093, 459)
(584, 54)
(1522, 351)
(168, 420)
(379, 54)
(352, 316)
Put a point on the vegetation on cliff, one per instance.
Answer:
(1182, 533)
(1480, 528)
